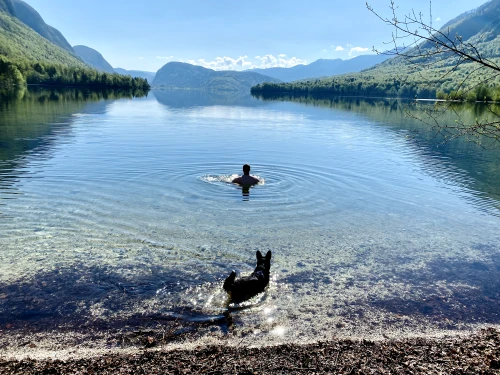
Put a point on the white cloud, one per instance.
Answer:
(438, 19)
(269, 61)
(243, 62)
(141, 58)
(224, 63)
(358, 50)
(325, 50)
(339, 48)
(164, 57)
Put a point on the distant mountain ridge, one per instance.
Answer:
(30, 17)
(93, 58)
(136, 73)
(323, 68)
(179, 75)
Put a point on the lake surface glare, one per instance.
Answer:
(120, 214)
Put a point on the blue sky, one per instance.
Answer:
(223, 34)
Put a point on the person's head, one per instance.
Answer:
(246, 169)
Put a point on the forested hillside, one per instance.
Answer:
(19, 42)
(28, 57)
(6, 6)
(439, 76)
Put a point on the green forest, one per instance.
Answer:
(384, 82)
(28, 72)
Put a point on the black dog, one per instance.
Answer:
(248, 286)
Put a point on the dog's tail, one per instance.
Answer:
(229, 281)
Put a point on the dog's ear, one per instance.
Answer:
(228, 283)
(259, 255)
(268, 255)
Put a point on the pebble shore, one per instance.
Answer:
(478, 353)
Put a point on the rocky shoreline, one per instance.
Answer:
(478, 353)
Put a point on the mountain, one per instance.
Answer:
(359, 63)
(441, 74)
(193, 77)
(30, 17)
(93, 58)
(136, 73)
(6, 6)
(20, 42)
(479, 27)
(285, 74)
(483, 21)
(323, 68)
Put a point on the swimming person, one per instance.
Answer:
(246, 179)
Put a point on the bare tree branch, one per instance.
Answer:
(423, 47)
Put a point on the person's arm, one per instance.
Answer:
(237, 180)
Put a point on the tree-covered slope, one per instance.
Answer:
(20, 42)
(434, 75)
(187, 76)
(32, 18)
(93, 58)
(483, 21)
(6, 6)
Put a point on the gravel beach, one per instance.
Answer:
(478, 353)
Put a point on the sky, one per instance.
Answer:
(231, 34)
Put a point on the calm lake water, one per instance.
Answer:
(117, 212)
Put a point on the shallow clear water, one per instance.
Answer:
(115, 210)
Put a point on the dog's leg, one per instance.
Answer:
(229, 281)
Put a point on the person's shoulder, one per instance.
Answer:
(237, 180)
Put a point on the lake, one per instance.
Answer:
(116, 216)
